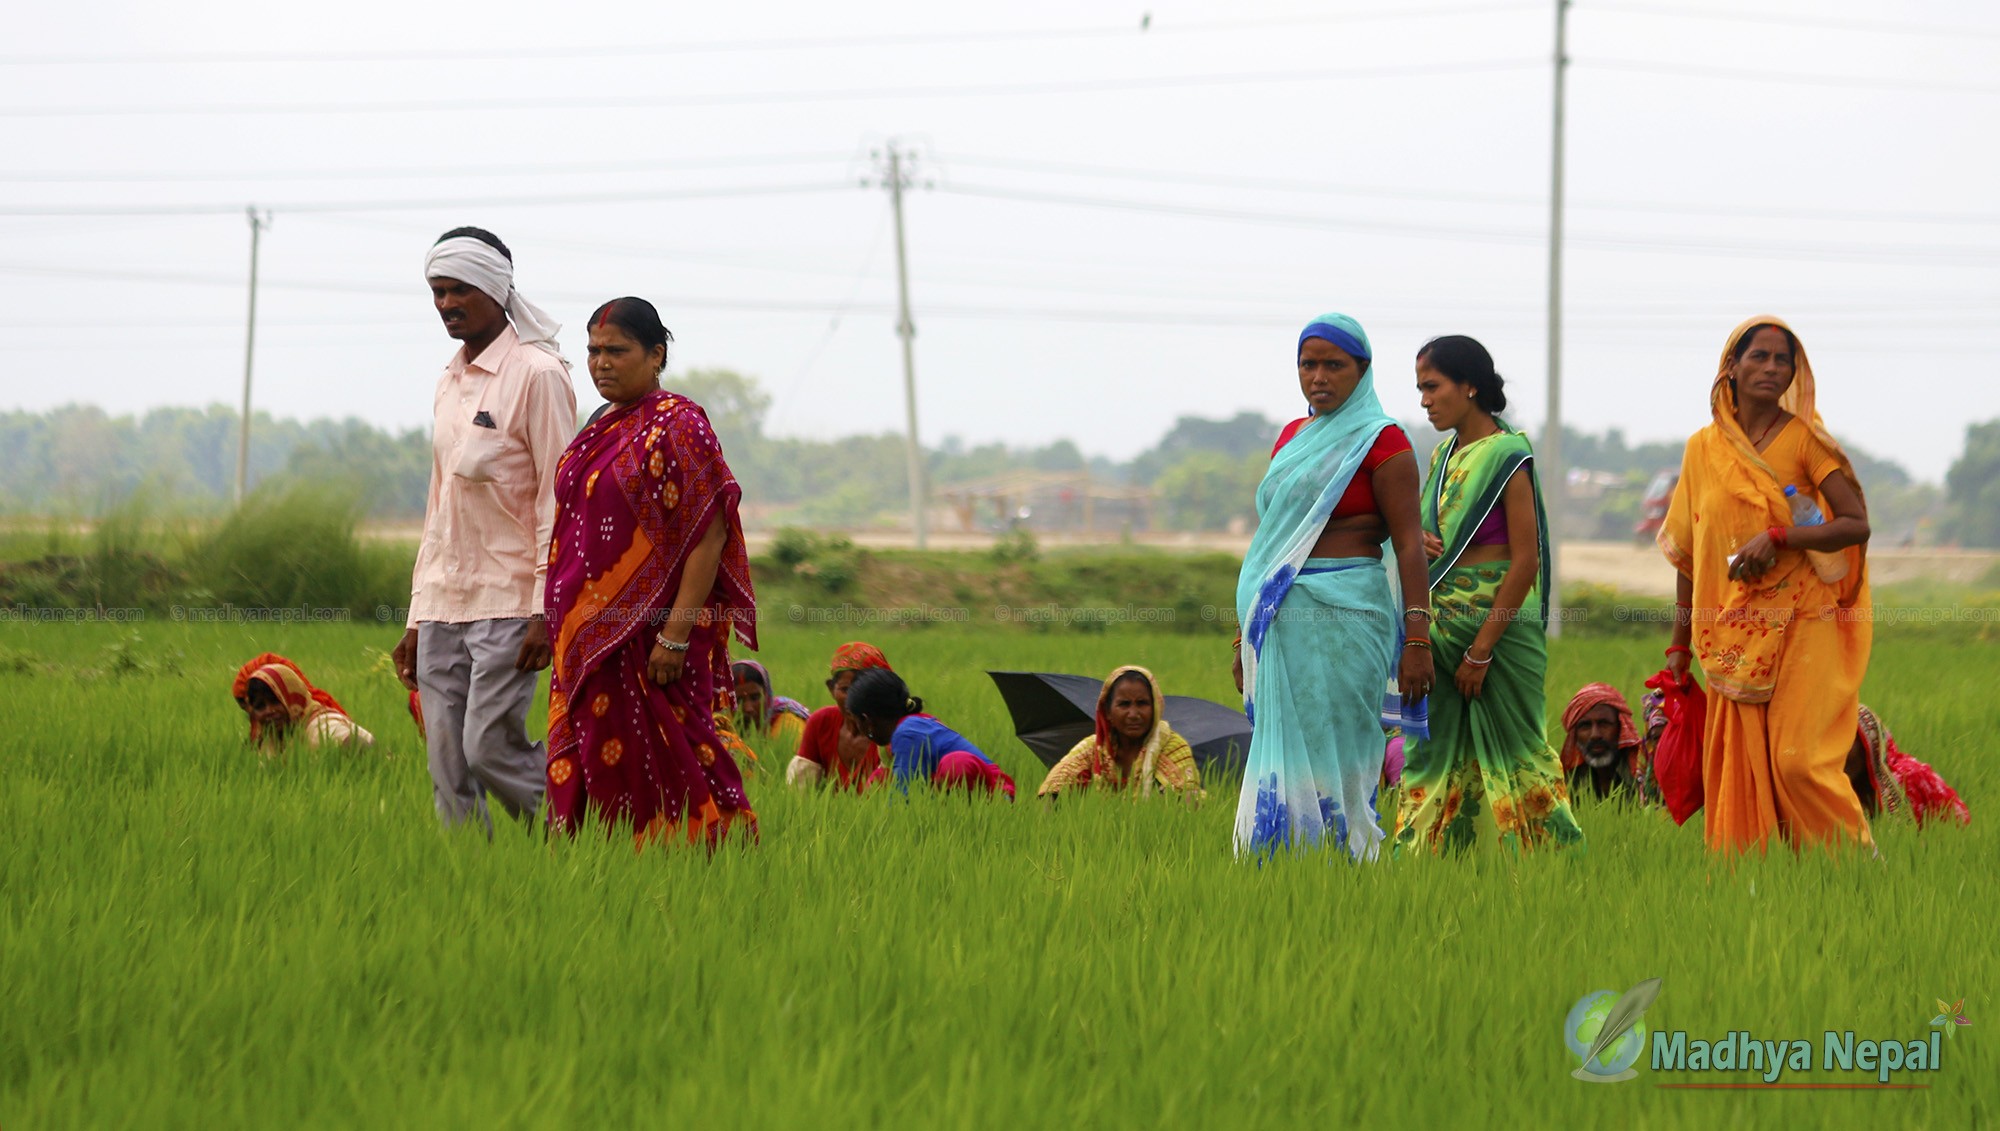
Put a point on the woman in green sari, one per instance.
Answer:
(1488, 754)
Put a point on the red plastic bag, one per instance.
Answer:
(1677, 759)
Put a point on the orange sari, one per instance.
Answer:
(1784, 655)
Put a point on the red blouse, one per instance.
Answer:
(1360, 496)
(821, 743)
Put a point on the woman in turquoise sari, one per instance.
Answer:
(1487, 536)
(1316, 598)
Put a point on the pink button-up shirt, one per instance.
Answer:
(492, 507)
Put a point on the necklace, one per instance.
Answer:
(1758, 443)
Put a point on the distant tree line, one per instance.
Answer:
(1203, 473)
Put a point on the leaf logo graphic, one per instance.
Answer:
(1625, 1014)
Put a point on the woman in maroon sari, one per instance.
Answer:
(647, 578)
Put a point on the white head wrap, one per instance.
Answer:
(474, 261)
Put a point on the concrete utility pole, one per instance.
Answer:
(257, 225)
(1557, 474)
(907, 330)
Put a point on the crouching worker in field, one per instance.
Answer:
(285, 707)
(881, 707)
(760, 710)
(831, 751)
(1889, 781)
(648, 577)
(1602, 753)
(1134, 750)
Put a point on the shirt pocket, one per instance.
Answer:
(481, 451)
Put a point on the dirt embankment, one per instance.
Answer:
(1624, 566)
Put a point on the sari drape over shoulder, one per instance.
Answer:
(1488, 754)
(1784, 654)
(635, 492)
(1319, 636)
(1165, 760)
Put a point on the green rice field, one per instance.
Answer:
(194, 937)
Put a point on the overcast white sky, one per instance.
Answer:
(1390, 160)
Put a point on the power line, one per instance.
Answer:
(784, 397)
(1967, 256)
(789, 262)
(1278, 184)
(1847, 82)
(1209, 212)
(1227, 180)
(1975, 256)
(766, 97)
(1634, 316)
(114, 176)
(1611, 319)
(339, 286)
(1168, 177)
(792, 43)
(1910, 316)
(1978, 344)
(1838, 23)
(415, 205)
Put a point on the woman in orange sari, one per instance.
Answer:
(1777, 610)
(647, 578)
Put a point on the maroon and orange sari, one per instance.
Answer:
(634, 493)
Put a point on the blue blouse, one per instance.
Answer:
(919, 743)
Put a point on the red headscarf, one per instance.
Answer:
(301, 700)
(1592, 696)
(241, 690)
(856, 656)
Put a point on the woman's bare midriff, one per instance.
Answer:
(1480, 555)
(1358, 536)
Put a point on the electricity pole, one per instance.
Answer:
(907, 330)
(1552, 453)
(257, 225)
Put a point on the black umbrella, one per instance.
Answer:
(1053, 712)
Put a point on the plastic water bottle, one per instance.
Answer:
(1805, 512)
(1830, 567)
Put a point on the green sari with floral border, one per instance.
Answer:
(1488, 755)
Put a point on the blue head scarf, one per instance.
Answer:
(1342, 331)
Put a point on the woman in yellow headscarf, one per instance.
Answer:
(1133, 748)
(1773, 603)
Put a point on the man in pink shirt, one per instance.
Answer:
(505, 410)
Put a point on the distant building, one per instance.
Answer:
(1061, 502)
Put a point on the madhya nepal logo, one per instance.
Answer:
(1606, 1034)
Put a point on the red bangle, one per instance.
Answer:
(1672, 648)
(1777, 534)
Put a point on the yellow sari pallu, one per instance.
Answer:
(1784, 654)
